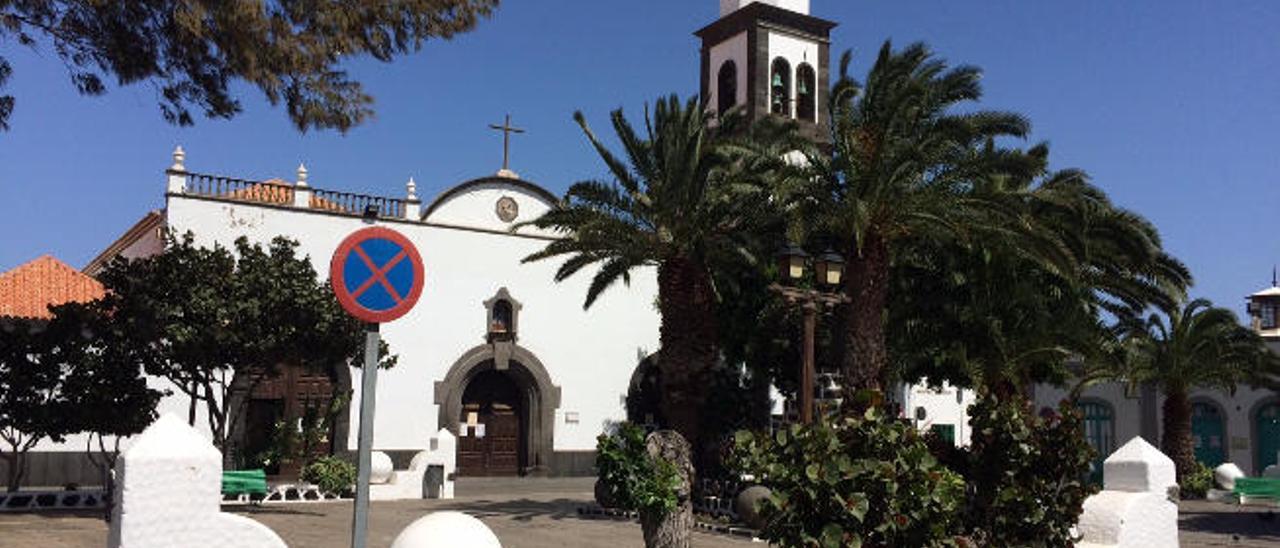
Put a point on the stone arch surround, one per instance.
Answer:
(541, 397)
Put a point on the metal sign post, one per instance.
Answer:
(368, 400)
(377, 276)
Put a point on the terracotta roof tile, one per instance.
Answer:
(28, 290)
(278, 191)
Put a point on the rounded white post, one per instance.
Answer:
(301, 191)
(177, 173)
(412, 205)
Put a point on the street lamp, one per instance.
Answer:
(829, 268)
(791, 260)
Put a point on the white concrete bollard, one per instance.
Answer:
(411, 484)
(169, 491)
(1226, 474)
(446, 530)
(380, 468)
(1134, 509)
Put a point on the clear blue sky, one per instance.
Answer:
(1171, 105)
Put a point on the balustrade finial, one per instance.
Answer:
(302, 175)
(412, 188)
(179, 159)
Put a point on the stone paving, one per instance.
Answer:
(543, 514)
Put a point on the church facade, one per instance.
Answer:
(495, 351)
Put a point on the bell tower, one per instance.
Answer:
(772, 58)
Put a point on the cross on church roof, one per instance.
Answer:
(507, 129)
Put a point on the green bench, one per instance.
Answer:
(1257, 488)
(244, 482)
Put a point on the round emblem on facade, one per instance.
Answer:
(507, 209)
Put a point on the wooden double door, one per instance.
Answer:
(492, 427)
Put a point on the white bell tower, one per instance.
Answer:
(770, 57)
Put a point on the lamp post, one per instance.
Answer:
(829, 270)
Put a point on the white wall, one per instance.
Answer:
(474, 207)
(733, 49)
(943, 405)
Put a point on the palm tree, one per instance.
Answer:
(1198, 345)
(900, 164)
(672, 204)
(1010, 305)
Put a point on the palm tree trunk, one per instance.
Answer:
(670, 530)
(1176, 442)
(689, 349)
(867, 284)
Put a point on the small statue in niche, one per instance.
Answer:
(501, 322)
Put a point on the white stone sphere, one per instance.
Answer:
(420, 461)
(1226, 474)
(446, 530)
(380, 468)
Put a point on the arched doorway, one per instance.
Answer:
(1208, 433)
(506, 385)
(1267, 427)
(493, 427)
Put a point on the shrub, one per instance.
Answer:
(331, 474)
(852, 481)
(1196, 485)
(633, 480)
(1027, 473)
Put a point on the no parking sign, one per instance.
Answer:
(377, 276)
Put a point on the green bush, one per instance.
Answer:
(331, 474)
(853, 481)
(1027, 474)
(1198, 484)
(635, 481)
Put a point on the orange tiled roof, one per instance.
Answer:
(28, 290)
(278, 191)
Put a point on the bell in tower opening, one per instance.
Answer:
(771, 58)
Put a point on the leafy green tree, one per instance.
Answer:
(214, 322)
(62, 377)
(195, 51)
(32, 406)
(674, 204)
(901, 160)
(107, 397)
(1196, 345)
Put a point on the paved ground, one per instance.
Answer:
(542, 514)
